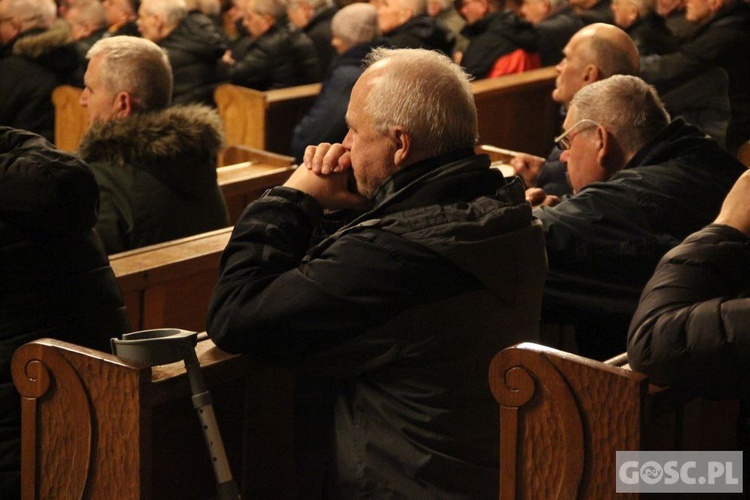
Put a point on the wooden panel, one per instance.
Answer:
(71, 119)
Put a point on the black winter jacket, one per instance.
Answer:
(55, 279)
(554, 33)
(691, 327)
(651, 35)
(493, 36)
(398, 313)
(604, 242)
(279, 58)
(422, 32)
(194, 49)
(32, 65)
(723, 41)
(157, 175)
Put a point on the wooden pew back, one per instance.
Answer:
(71, 119)
(97, 426)
(563, 417)
(263, 120)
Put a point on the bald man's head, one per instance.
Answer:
(594, 52)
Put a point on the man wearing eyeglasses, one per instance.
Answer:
(36, 56)
(641, 184)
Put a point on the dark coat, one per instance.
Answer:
(326, 120)
(691, 326)
(723, 41)
(599, 13)
(194, 49)
(651, 35)
(157, 175)
(55, 280)
(423, 32)
(554, 33)
(32, 65)
(378, 311)
(318, 29)
(271, 61)
(604, 242)
(493, 36)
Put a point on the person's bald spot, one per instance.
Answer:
(611, 49)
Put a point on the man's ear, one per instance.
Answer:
(591, 74)
(609, 154)
(403, 146)
(123, 105)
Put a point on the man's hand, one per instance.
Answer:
(735, 211)
(527, 167)
(537, 197)
(326, 158)
(331, 190)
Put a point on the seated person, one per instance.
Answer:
(88, 24)
(556, 23)
(445, 12)
(313, 18)
(406, 24)
(355, 33)
(721, 40)
(673, 12)
(121, 16)
(155, 165)
(594, 53)
(641, 184)
(375, 314)
(56, 280)
(593, 11)
(647, 28)
(493, 31)
(36, 56)
(271, 56)
(194, 45)
(691, 326)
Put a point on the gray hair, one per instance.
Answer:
(32, 13)
(628, 107)
(428, 95)
(137, 66)
(88, 11)
(356, 23)
(274, 8)
(173, 11)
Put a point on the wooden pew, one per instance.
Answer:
(71, 119)
(170, 284)
(97, 426)
(263, 120)
(517, 111)
(563, 417)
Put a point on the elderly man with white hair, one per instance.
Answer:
(314, 18)
(406, 24)
(371, 309)
(36, 55)
(194, 44)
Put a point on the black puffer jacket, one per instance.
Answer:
(493, 36)
(691, 327)
(399, 313)
(422, 32)
(651, 35)
(55, 279)
(604, 242)
(157, 175)
(279, 58)
(194, 49)
(31, 66)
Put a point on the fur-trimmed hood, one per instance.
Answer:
(178, 145)
(52, 48)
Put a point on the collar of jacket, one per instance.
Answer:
(39, 41)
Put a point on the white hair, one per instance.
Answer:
(172, 11)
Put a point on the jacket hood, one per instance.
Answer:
(174, 145)
(52, 48)
(42, 188)
(506, 24)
